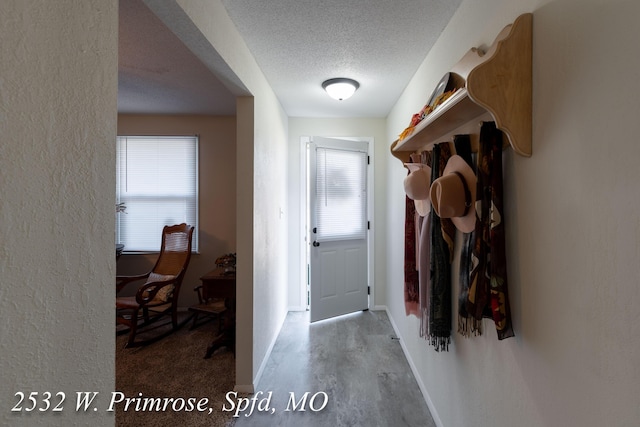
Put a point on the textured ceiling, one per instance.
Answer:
(297, 43)
(157, 74)
(300, 43)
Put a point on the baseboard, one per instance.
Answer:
(423, 389)
(251, 388)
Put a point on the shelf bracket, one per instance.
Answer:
(501, 84)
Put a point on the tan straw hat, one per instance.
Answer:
(416, 185)
(453, 195)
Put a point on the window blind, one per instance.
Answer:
(157, 180)
(341, 202)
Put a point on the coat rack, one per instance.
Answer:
(494, 86)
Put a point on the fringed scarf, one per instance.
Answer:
(439, 296)
(488, 296)
(424, 262)
(467, 324)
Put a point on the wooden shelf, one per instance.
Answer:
(498, 85)
(456, 111)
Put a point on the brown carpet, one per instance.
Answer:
(174, 367)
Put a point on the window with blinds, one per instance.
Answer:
(157, 180)
(341, 202)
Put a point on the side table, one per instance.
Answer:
(220, 284)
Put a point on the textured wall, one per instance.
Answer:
(58, 86)
(572, 229)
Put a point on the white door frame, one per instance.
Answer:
(304, 227)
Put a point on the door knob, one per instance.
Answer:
(316, 244)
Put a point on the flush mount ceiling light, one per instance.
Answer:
(340, 88)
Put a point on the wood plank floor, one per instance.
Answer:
(354, 363)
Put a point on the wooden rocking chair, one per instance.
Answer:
(158, 296)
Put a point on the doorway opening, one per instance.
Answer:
(336, 217)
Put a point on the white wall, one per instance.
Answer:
(355, 127)
(58, 95)
(572, 228)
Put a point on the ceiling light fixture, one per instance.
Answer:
(340, 88)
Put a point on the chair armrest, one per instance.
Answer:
(122, 281)
(147, 292)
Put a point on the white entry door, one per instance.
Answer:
(338, 224)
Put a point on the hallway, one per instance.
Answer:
(353, 363)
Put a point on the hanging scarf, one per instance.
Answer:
(448, 229)
(440, 283)
(467, 324)
(424, 263)
(425, 267)
(411, 284)
(488, 296)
